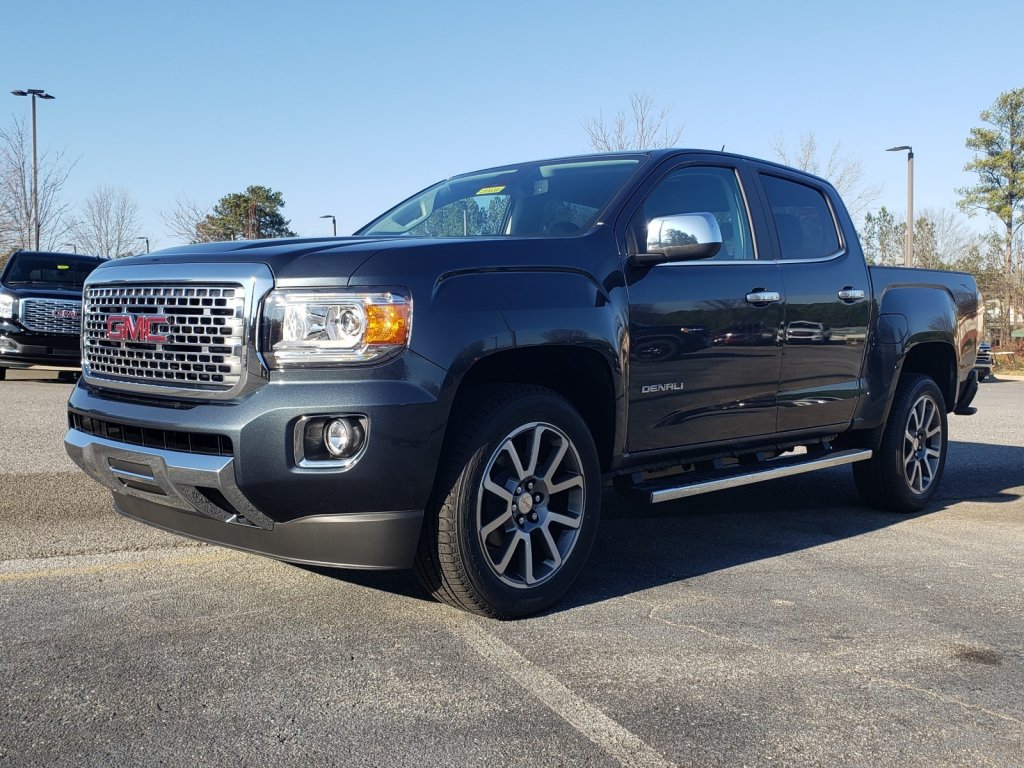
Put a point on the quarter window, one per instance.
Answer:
(803, 219)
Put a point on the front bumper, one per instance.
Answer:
(253, 496)
(20, 349)
(171, 490)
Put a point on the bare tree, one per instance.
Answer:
(844, 171)
(108, 224)
(643, 127)
(16, 191)
(185, 220)
(950, 238)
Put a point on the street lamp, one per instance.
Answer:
(74, 248)
(908, 254)
(334, 222)
(147, 242)
(42, 94)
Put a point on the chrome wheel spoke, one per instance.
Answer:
(528, 560)
(535, 445)
(565, 485)
(500, 567)
(499, 490)
(556, 556)
(553, 463)
(509, 448)
(568, 522)
(495, 524)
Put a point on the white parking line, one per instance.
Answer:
(619, 743)
(83, 565)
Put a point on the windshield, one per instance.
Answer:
(57, 270)
(555, 198)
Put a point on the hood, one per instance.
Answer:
(287, 258)
(42, 291)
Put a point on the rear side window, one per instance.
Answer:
(803, 219)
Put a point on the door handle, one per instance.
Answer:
(851, 294)
(763, 297)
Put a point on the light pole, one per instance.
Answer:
(42, 94)
(74, 248)
(334, 222)
(147, 242)
(908, 254)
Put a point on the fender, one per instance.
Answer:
(909, 316)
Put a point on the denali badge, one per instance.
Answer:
(136, 328)
(647, 389)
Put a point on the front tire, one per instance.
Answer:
(515, 509)
(905, 471)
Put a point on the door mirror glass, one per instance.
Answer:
(684, 237)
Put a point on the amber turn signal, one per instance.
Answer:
(387, 323)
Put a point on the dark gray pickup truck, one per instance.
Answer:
(452, 387)
(41, 311)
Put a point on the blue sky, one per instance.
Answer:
(346, 108)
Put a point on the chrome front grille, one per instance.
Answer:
(177, 336)
(58, 316)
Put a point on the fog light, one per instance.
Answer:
(342, 437)
(7, 344)
(337, 437)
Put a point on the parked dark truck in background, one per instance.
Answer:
(450, 388)
(41, 311)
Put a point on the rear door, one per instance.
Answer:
(828, 304)
(704, 353)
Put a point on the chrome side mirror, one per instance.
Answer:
(685, 237)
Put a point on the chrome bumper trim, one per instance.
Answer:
(170, 478)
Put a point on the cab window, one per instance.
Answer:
(702, 190)
(803, 219)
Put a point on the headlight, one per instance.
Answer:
(6, 305)
(309, 328)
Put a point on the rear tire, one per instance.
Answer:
(515, 507)
(905, 471)
(3, 374)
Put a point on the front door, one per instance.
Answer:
(704, 335)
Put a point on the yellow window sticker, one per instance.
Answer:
(490, 190)
(63, 266)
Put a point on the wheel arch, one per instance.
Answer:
(581, 375)
(936, 360)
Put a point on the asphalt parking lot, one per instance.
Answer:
(780, 624)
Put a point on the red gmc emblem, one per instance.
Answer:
(136, 328)
(67, 314)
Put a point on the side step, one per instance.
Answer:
(655, 492)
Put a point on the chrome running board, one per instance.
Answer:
(707, 482)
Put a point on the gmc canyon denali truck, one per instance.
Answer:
(41, 311)
(451, 387)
